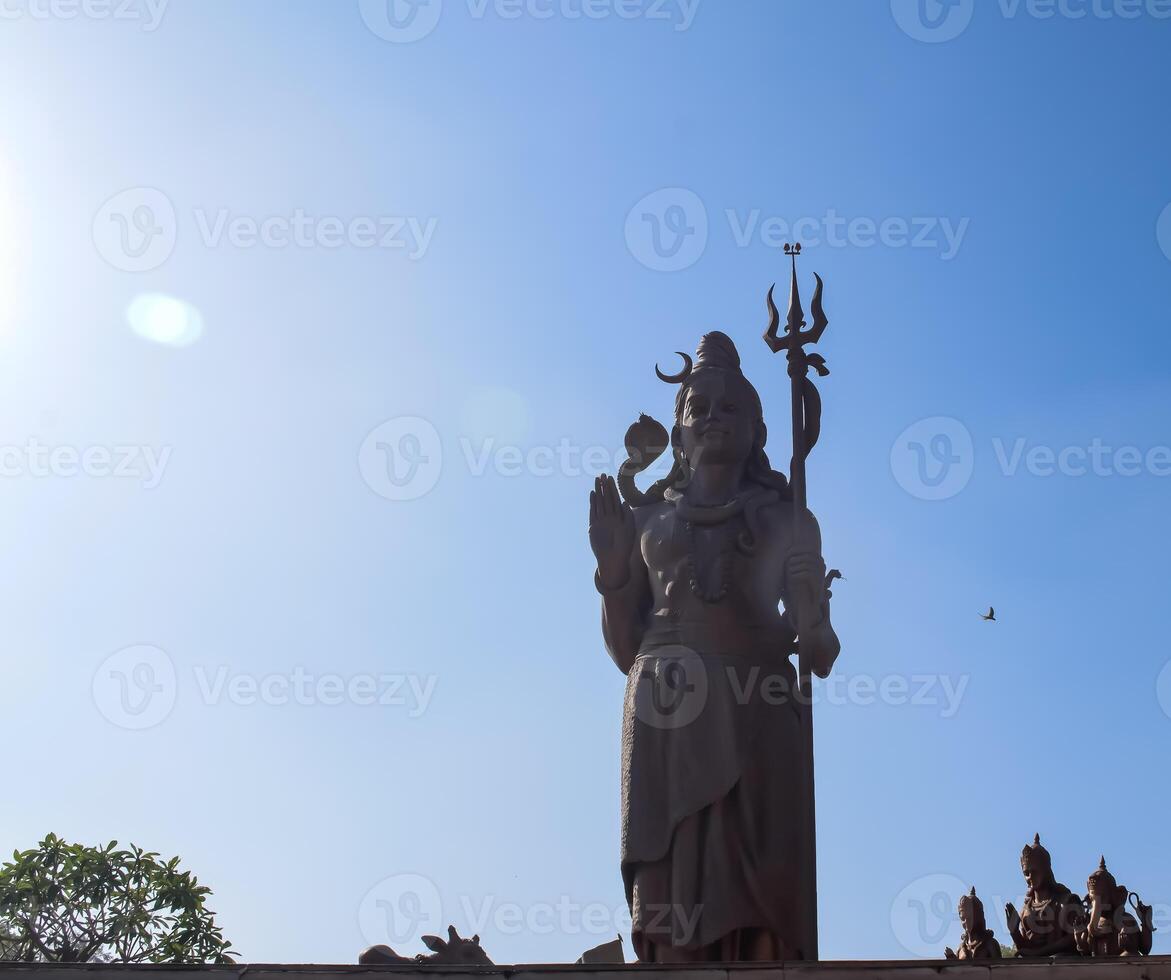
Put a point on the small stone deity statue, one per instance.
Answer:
(978, 942)
(1109, 930)
(1051, 914)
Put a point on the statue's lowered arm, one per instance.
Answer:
(810, 606)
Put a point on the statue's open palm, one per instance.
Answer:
(611, 531)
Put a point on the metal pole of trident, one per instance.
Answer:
(806, 429)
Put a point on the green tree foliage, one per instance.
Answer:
(67, 903)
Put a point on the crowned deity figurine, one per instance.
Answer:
(1051, 913)
(717, 833)
(978, 941)
(1109, 929)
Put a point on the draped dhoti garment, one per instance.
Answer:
(714, 815)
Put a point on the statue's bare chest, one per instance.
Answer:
(715, 560)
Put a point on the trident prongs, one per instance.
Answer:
(795, 338)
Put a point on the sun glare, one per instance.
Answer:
(165, 320)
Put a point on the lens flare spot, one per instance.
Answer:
(165, 320)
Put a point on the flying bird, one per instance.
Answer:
(990, 616)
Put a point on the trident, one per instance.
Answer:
(806, 429)
(806, 400)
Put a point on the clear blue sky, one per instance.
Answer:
(532, 312)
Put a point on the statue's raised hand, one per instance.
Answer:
(1012, 919)
(611, 533)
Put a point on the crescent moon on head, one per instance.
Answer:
(675, 379)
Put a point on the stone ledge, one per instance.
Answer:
(1148, 968)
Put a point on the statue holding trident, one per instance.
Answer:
(718, 851)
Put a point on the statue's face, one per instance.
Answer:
(1037, 872)
(967, 916)
(1102, 892)
(718, 424)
